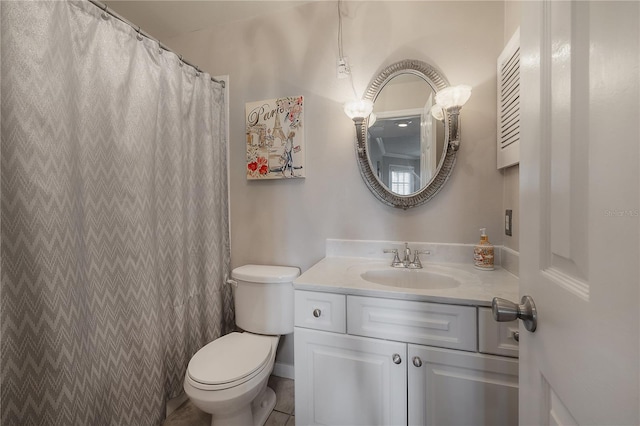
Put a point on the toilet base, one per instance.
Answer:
(261, 408)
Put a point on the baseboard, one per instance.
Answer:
(174, 403)
(283, 370)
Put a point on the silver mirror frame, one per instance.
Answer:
(447, 161)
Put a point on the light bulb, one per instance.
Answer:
(358, 108)
(372, 119)
(437, 113)
(453, 96)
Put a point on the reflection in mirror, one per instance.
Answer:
(404, 148)
(405, 142)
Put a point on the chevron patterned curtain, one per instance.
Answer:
(114, 226)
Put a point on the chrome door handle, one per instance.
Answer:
(505, 310)
(317, 312)
(397, 359)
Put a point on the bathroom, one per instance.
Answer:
(270, 49)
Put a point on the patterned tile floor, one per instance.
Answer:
(282, 415)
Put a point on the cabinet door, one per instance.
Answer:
(348, 380)
(461, 388)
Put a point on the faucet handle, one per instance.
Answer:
(396, 260)
(416, 264)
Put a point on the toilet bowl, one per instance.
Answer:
(233, 385)
(228, 377)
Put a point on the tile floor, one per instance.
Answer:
(282, 415)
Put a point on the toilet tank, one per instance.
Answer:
(263, 298)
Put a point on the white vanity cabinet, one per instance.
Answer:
(349, 380)
(461, 388)
(374, 361)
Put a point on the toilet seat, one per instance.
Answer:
(229, 361)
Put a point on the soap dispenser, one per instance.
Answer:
(483, 253)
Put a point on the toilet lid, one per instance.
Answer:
(230, 358)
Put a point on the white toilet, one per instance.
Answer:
(228, 377)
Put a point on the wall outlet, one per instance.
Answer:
(342, 70)
(508, 224)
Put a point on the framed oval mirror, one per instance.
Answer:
(403, 150)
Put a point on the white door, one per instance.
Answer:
(428, 145)
(579, 185)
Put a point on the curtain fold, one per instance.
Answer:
(114, 226)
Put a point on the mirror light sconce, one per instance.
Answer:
(358, 110)
(451, 99)
(437, 112)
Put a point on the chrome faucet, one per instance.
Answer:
(407, 255)
(406, 262)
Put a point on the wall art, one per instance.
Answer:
(275, 138)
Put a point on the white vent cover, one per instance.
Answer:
(509, 103)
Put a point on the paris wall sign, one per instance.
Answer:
(275, 138)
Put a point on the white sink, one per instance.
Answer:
(410, 278)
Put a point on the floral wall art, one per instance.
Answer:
(275, 138)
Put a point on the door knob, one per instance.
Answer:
(397, 359)
(505, 310)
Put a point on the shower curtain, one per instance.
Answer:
(114, 225)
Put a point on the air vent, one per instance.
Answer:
(509, 103)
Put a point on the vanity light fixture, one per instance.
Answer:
(372, 118)
(358, 110)
(451, 99)
(437, 112)
(453, 96)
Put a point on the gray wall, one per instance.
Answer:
(294, 52)
(511, 197)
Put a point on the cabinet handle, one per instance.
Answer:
(396, 359)
(317, 313)
(417, 361)
(516, 336)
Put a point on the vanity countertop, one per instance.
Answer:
(342, 275)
